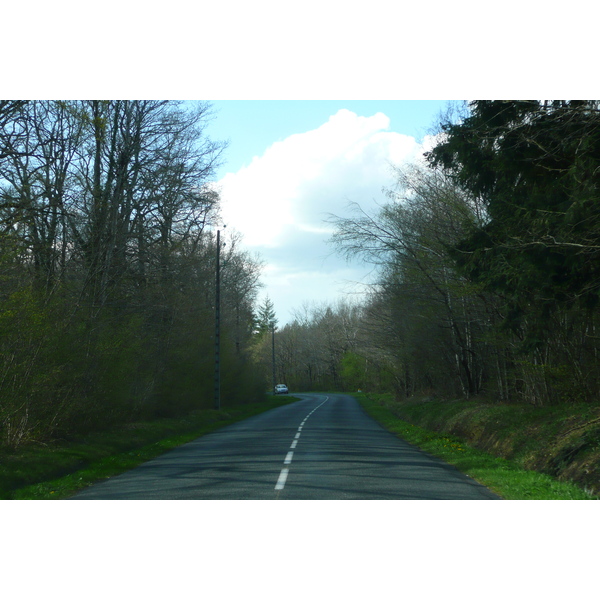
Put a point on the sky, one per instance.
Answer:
(290, 165)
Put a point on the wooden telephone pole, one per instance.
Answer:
(218, 325)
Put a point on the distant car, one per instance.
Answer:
(281, 388)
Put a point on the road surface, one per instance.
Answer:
(323, 447)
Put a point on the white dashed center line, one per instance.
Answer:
(282, 477)
(290, 455)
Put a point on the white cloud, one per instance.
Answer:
(280, 201)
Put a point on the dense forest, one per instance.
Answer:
(488, 262)
(487, 254)
(107, 268)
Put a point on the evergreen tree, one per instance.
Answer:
(535, 167)
(267, 321)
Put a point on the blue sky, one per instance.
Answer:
(291, 165)
(251, 126)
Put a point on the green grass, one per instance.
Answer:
(504, 477)
(55, 471)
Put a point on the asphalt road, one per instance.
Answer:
(320, 448)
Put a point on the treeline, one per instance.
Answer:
(107, 268)
(325, 348)
(488, 260)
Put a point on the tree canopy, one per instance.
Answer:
(488, 257)
(535, 167)
(107, 262)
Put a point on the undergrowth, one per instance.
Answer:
(434, 426)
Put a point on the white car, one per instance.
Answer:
(281, 388)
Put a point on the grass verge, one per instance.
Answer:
(503, 476)
(44, 472)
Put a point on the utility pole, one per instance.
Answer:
(273, 351)
(218, 325)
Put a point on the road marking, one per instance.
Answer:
(282, 477)
(288, 459)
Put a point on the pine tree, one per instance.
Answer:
(535, 166)
(267, 320)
